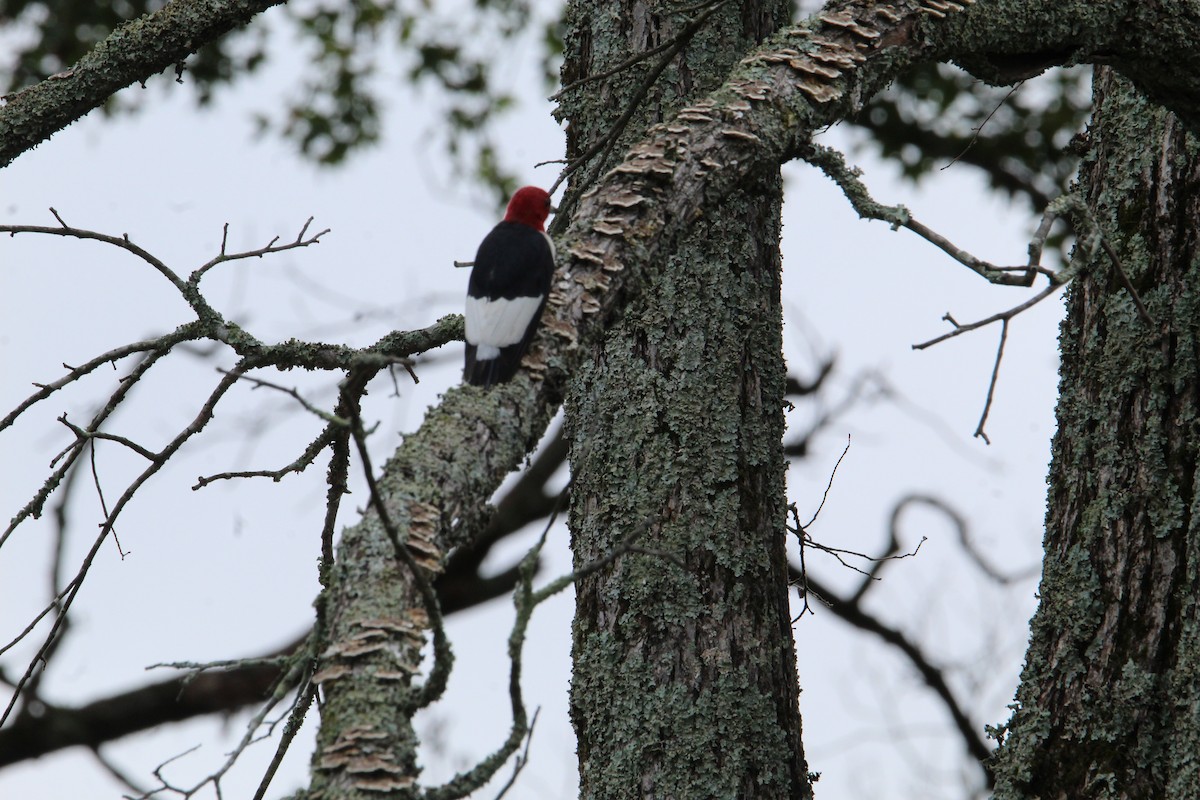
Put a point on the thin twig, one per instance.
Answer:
(991, 393)
(829, 483)
(840, 554)
(979, 128)
(296, 717)
(332, 419)
(271, 247)
(834, 165)
(124, 243)
(1003, 316)
(87, 435)
(302, 463)
(299, 710)
(523, 758)
(103, 502)
(184, 333)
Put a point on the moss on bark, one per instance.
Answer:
(1109, 704)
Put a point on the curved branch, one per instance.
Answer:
(853, 613)
(122, 714)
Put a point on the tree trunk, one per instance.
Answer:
(1109, 703)
(684, 681)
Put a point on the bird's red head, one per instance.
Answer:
(529, 206)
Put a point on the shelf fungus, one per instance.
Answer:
(812, 68)
(736, 133)
(821, 92)
(589, 253)
(624, 198)
(606, 228)
(846, 21)
(563, 330)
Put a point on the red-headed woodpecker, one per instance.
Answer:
(508, 288)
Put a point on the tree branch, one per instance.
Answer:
(806, 78)
(853, 613)
(122, 714)
(131, 54)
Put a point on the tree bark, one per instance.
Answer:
(684, 667)
(684, 682)
(132, 53)
(1109, 702)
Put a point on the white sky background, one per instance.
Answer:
(229, 571)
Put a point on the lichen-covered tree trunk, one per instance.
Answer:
(1109, 703)
(684, 681)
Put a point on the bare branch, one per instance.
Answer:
(1089, 237)
(522, 759)
(834, 165)
(123, 242)
(304, 700)
(89, 435)
(325, 439)
(103, 508)
(979, 128)
(1003, 316)
(854, 614)
(991, 393)
(828, 486)
(269, 248)
(51, 606)
(188, 332)
(293, 393)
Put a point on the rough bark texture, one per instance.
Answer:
(1110, 695)
(137, 50)
(685, 675)
(376, 619)
(677, 415)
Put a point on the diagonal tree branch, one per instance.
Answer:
(129, 712)
(131, 54)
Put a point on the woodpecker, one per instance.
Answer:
(508, 288)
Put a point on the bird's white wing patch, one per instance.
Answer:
(494, 324)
